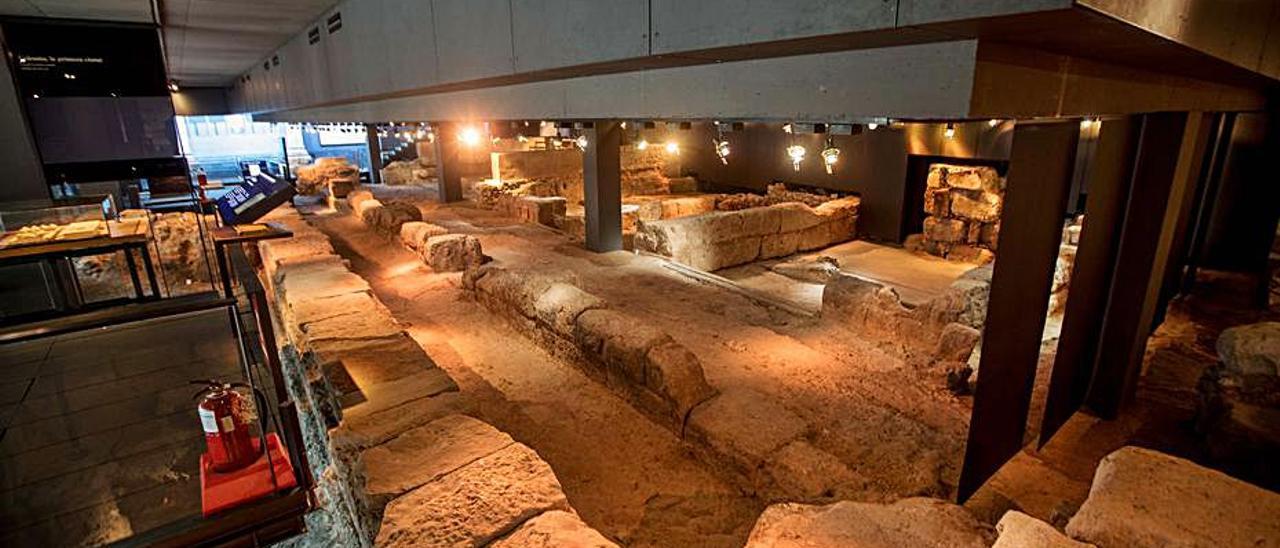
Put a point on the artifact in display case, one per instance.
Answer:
(36, 222)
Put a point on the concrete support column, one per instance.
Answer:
(375, 153)
(602, 186)
(1039, 178)
(448, 158)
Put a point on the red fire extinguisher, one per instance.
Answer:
(225, 419)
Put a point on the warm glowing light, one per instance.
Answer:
(950, 131)
(872, 126)
(643, 144)
(582, 142)
(522, 138)
(70, 76)
(796, 153)
(786, 128)
(993, 122)
(722, 151)
(830, 156)
(173, 86)
(624, 125)
(431, 136)
(672, 147)
(469, 136)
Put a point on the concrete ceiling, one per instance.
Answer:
(208, 42)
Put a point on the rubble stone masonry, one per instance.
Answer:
(963, 205)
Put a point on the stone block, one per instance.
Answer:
(300, 282)
(366, 210)
(369, 426)
(355, 197)
(475, 504)
(745, 427)
(786, 243)
(906, 523)
(1251, 350)
(554, 529)
(372, 361)
(1145, 498)
(990, 235)
(937, 201)
(944, 230)
(970, 254)
(426, 453)
(622, 342)
(540, 210)
(1018, 530)
(518, 290)
(801, 472)
(956, 342)
(977, 206)
(324, 173)
(676, 374)
(452, 252)
(414, 233)
(560, 305)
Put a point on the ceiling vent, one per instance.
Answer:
(313, 35)
(334, 22)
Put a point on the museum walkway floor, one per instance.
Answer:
(99, 436)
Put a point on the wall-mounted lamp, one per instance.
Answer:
(796, 153)
(830, 155)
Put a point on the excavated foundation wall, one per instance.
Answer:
(941, 333)
(644, 172)
(404, 467)
(722, 239)
(963, 204)
(658, 375)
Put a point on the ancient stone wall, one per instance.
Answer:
(721, 239)
(404, 467)
(941, 333)
(658, 375)
(963, 204)
(333, 175)
(412, 172)
(644, 172)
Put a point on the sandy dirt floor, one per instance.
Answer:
(627, 476)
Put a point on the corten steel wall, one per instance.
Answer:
(872, 163)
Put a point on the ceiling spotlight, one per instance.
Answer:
(722, 150)
(642, 144)
(522, 138)
(70, 76)
(993, 122)
(469, 136)
(173, 85)
(582, 142)
(830, 155)
(786, 128)
(624, 125)
(796, 153)
(950, 131)
(672, 147)
(872, 126)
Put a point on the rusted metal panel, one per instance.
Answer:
(1039, 179)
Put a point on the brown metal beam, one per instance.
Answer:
(1039, 180)
(1108, 190)
(1170, 152)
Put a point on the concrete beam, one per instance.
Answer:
(602, 186)
(922, 80)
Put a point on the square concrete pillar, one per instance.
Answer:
(602, 186)
(448, 160)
